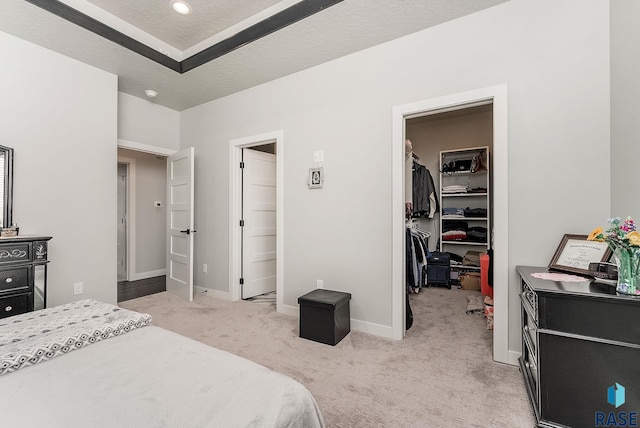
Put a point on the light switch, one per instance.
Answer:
(318, 156)
(78, 288)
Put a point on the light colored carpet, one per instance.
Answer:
(440, 375)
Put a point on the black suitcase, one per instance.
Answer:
(439, 269)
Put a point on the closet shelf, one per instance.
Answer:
(463, 172)
(450, 195)
(474, 268)
(445, 218)
(460, 177)
(444, 241)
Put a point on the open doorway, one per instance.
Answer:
(256, 221)
(141, 223)
(123, 177)
(258, 224)
(448, 198)
(497, 96)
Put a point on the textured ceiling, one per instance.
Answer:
(184, 31)
(344, 28)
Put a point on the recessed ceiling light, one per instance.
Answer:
(182, 7)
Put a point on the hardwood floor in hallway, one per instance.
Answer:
(128, 290)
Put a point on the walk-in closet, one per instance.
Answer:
(448, 208)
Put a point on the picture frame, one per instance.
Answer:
(575, 252)
(316, 178)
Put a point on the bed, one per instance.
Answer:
(92, 364)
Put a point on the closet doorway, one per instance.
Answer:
(495, 99)
(256, 218)
(258, 265)
(455, 213)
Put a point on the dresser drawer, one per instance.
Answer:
(14, 279)
(15, 252)
(15, 305)
(609, 319)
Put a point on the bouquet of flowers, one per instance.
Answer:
(624, 240)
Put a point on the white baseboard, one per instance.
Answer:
(372, 328)
(216, 294)
(292, 311)
(512, 357)
(145, 275)
(356, 325)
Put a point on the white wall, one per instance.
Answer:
(144, 122)
(553, 55)
(60, 116)
(149, 222)
(625, 108)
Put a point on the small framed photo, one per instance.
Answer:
(575, 253)
(316, 178)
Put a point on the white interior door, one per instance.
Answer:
(122, 222)
(259, 215)
(180, 224)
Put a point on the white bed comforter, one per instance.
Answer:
(39, 336)
(151, 377)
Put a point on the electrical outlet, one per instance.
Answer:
(78, 288)
(319, 283)
(204, 268)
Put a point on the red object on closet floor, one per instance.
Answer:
(485, 288)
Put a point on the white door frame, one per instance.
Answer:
(145, 148)
(130, 215)
(235, 210)
(131, 197)
(498, 96)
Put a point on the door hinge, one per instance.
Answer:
(241, 281)
(241, 164)
(241, 223)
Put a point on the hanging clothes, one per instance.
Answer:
(417, 253)
(425, 200)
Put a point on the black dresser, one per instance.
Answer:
(580, 351)
(23, 274)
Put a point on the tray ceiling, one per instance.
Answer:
(335, 29)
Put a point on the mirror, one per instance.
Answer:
(6, 186)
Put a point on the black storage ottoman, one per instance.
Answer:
(325, 316)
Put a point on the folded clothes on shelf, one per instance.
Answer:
(474, 212)
(471, 258)
(454, 225)
(454, 235)
(477, 234)
(455, 188)
(478, 190)
(452, 212)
